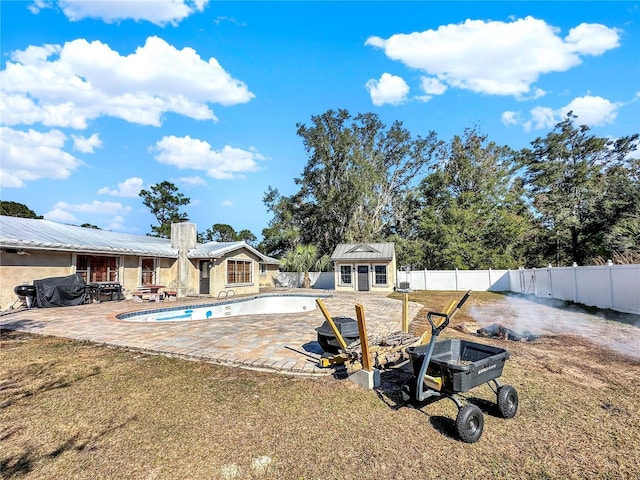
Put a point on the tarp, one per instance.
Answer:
(60, 291)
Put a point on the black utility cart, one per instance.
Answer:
(448, 367)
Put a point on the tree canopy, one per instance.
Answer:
(221, 232)
(164, 200)
(15, 209)
(467, 203)
(353, 186)
(583, 189)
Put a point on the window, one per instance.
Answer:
(97, 269)
(239, 271)
(381, 274)
(148, 271)
(345, 274)
(263, 269)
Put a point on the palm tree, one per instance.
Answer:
(303, 259)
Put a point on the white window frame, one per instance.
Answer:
(386, 274)
(341, 282)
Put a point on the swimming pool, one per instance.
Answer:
(259, 305)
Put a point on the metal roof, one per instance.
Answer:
(29, 233)
(46, 235)
(364, 251)
(218, 249)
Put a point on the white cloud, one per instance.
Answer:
(511, 118)
(32, 155)
(160, 12)
(432, 86)
(592, 39)
(93, 208)
(497, 58)
(116, 223)
(70, 85)
(544, 117)
(233, 20)
(227, 203)
(38, 5)
(590, 110)
(129, 188)
(191, 153)
(389, 89)
(61, 216)
(191, 181)
(86, 144)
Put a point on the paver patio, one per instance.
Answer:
(279, 342)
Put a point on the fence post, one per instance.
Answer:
(610, 267)
(425, 279)
(405, 313)
(489, 289)
(575, 282)
(456, 276)
(550, 275)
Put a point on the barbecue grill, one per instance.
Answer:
(26, 294)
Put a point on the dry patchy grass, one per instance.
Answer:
(76, 410)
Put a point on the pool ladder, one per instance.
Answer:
(227, 294)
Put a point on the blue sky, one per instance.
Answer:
(100, 99)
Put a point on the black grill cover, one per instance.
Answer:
(60, 291)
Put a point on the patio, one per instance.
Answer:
(281, 343)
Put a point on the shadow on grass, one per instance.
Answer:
(23, 463)
(20, 391)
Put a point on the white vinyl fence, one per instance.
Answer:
(322, 280)
(616, 287)
(493, 280)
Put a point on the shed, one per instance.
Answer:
(365, 267)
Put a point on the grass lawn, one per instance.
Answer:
(75, 410)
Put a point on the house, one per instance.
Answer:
(33, 249)
(364, 267)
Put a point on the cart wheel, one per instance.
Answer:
(469, 423)
(507, 401)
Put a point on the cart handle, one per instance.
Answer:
(435, 331)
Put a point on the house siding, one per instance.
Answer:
(39, 264)
(53, 250)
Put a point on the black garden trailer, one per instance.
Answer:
(442, 369)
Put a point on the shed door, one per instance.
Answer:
(363, 278)
(205, 268)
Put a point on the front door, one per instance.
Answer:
(363, 278)
(205, 269)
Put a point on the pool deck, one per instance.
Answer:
(285, 343)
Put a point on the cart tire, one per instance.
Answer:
(507, 401)
(469, 423)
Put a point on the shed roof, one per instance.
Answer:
(29, 233)
(364, 251)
